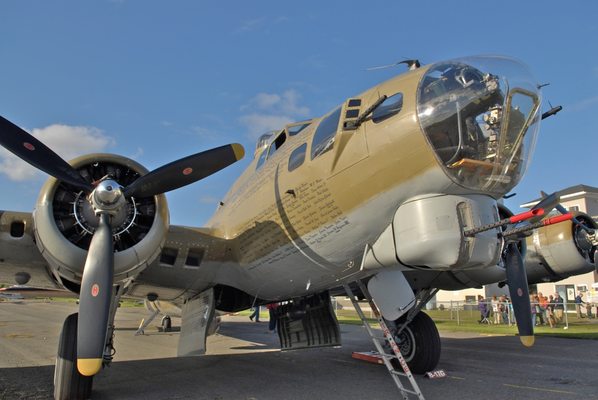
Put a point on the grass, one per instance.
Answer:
(578, 328)
(468, 322)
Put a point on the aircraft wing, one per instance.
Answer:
(21, 261)
(191, 260)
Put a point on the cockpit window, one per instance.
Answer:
(262, 159)
(389, 107)
(324, 136)
(480, 120)
(295, 129)
(278, 142)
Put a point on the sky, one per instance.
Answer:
(159, 80)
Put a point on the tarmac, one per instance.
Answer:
(243, 362)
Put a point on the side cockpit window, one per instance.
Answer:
(389, 107)
(262, 159)
(325, 133)
(295, 129)
(277, 144)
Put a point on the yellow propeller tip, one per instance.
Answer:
(238, 150)
(89, 366)
(528, 341)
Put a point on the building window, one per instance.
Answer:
(573, 208)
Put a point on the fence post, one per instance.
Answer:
(458, 319)
(451, 310)
(566, 317)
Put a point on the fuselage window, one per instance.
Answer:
(295, 129)
(262, 158)
(324, 136)
(391, 106)
(297, 157)
(278, 142)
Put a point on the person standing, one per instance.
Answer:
(272, 307)
(255, 314)
(533, 303)
(559, 307)
(495, 310)
(550, 312)
(483, 307)
(578, 303)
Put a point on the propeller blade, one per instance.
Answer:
(94, 300)
(34, 152)
(548, 203)
(185, 171)
(517, 281)
(563, 211)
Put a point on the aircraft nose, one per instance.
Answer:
(480, 115)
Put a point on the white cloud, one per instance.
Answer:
(271, 111)
(258, 124)
(67, 141)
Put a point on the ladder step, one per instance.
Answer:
(379, 341)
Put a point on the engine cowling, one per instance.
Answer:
(558, 251)
(65, 221)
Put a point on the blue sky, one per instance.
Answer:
(159, 80)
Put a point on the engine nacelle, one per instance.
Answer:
(558, 251)
(65, 221)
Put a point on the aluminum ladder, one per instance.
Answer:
(378, 343)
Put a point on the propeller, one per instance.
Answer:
(94, 299)
(31, 150)
(515, 268)
(107, 197)
(519, 293)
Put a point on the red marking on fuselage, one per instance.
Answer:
(187, 171)
(95, 290)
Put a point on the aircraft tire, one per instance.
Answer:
(420, 344)
(69, 384)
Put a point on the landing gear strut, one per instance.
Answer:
(68, 382)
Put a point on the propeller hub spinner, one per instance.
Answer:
(107, 197)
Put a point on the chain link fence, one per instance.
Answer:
(462, 312)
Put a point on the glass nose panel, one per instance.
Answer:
(480, 116)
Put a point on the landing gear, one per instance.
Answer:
(419, 342)
(69, 384)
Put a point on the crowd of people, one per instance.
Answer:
(544, 310)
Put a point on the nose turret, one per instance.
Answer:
(480, 115)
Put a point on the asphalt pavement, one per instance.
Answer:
(243, 362)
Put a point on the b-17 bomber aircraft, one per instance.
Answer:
(398, 187)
